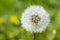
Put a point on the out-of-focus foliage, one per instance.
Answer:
(10, 14)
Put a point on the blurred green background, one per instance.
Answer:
(10, 14)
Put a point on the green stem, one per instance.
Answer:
(34, 36)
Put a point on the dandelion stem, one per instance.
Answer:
(34, 36)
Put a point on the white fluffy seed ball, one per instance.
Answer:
(35, 19)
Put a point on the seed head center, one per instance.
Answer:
(35, 19)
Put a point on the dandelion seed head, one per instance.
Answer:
(35, 19)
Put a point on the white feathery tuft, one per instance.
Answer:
(35, 19)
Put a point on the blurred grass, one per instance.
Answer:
(16, 7)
